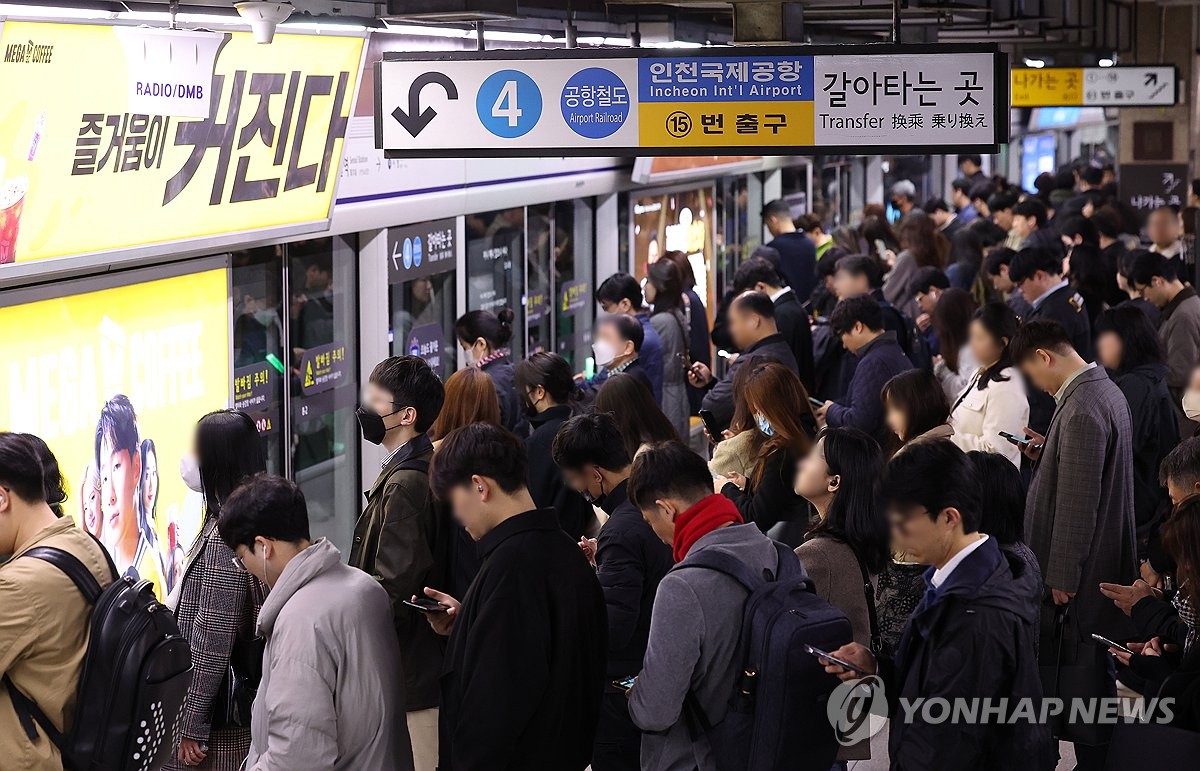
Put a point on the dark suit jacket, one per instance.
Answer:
(719, 399)
(1079, 511)
(525, 664)
(792, 321)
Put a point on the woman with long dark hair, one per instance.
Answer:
(216, 604)
(923, 245)
(664, 291)
(639, 417)
(696, 317)
(1128, 347)
(952, 320)
(773, 398)
(849, 546)
(915, 408)
(1003, 516)
(550, 397)
(485, 336)
(994, 400)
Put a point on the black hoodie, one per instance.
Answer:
(975, 640)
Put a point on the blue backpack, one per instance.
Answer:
(776, 717)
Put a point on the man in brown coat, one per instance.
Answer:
(401, 539)
(1079, 513)
(43, 617)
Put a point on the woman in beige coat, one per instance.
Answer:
(994, 400)
(845, 551)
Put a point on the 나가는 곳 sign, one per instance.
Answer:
(80, 172)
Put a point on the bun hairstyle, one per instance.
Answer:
(495, 328)
(550, 371)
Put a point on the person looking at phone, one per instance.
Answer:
(969, 615)
(402, 537)
(630, 562)
(994, 399)
(1149, 602)
(526, 659)
(759, 275)
(752, 325)
(697, 616)
(1079, 517)
(858, 321)
(332, 690)
(773, 408)
(1171, 669)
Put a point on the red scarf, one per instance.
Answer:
(700, 520)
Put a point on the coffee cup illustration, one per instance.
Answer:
(12, 203)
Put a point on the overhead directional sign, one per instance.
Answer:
(1150, 86)
(769, 100)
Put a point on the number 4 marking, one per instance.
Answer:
(508, 95)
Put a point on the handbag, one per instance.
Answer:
(235, 698)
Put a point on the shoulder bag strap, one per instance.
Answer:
(83, 579)
(869, 593)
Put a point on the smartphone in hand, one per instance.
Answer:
(710, 424)
(816, 403)
(1107, 643)
(426, 605)
(625, 684)
(1021, 440)
(835, 660)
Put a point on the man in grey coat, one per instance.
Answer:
(1156, 277)
(332, 695)
(1079, 510)
(697, 618)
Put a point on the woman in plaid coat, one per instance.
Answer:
(215, 603)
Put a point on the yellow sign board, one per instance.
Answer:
(1047, 87)
(143, 362)
(80, 172)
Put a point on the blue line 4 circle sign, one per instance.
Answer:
(509, 104)
(595, 103)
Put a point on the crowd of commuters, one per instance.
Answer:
(966, 441)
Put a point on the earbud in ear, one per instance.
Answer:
(479, 488)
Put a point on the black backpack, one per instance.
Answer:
(777, 715)
(135, 677)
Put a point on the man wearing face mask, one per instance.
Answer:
(1191, 400)
(403, 538)
(617, 349)
(630, 561)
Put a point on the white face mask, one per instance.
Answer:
(1191, 404)
(604, 351)
(471, 358)
(189, 470)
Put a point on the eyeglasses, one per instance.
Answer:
(237, 563)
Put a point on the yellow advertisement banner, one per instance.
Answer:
(136, 365)
(80, 172)
(721, 124)
(1047, 87)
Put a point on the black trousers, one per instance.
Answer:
(618, 741)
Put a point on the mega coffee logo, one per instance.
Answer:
(27, 53)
